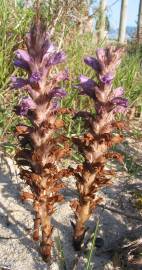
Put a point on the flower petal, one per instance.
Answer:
(47, 47)
(34, 80)
(87, 85)
(50, 48)
(118, 92)
(22, 64)
(120, 101)
(23, 55)
(119, 109)
(18, 82)
(55, 104)
(57, 58)
(62, 76)
(57, 92)
(25, 104)
(101, 55)
(121, 104)
(93, 62)
(107, 78)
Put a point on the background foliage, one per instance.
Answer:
(66, 25)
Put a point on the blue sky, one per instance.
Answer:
(114, 12)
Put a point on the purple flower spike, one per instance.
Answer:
(21, 64)
(39, 150)
(57, 58)
(23, 55)
(18, 82)
(107, 78)
(25, 104)
(93, 63)
(87, 85)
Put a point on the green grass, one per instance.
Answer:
(93, 248)
(14, 22)
(137, 197)
(61, 256)
(129, 76)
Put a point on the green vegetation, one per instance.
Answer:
(137, 198)
(14, 22)
(89, 257)
(129, 75)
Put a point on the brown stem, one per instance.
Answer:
(46, 243)
(79, 227)
(36, 227)
(89, 181)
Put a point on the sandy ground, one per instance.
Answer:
(19, 252)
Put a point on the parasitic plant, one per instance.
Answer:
(41, 144)
(95, 145)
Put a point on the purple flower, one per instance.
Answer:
(62, 76)
(56, 58)
(22, 64)
(34, 80)
(57, 92)
(18, 82)
(23, 55)
(54, 104)
(107, 78)
(101, 55)
(25, 104)
(119, 109)
(118, 92)
(94, 63)
(120, 101)
(121, 104)
(87, 85)
(50, 49)
(47, 47)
